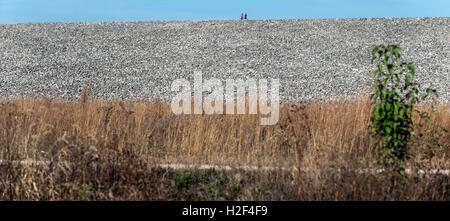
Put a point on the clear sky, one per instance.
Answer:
(20, 11)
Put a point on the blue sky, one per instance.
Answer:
(20, 11)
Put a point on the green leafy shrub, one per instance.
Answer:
(395, 99)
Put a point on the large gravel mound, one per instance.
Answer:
(314, 59)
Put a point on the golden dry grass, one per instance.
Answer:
(315, 136)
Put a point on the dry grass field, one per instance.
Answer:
(99, 150)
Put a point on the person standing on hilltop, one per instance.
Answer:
(245, 16)
(242, 16)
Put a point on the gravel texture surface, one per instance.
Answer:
(314, 59)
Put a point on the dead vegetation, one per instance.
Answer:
(102, 150)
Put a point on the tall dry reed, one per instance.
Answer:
(102, 150)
